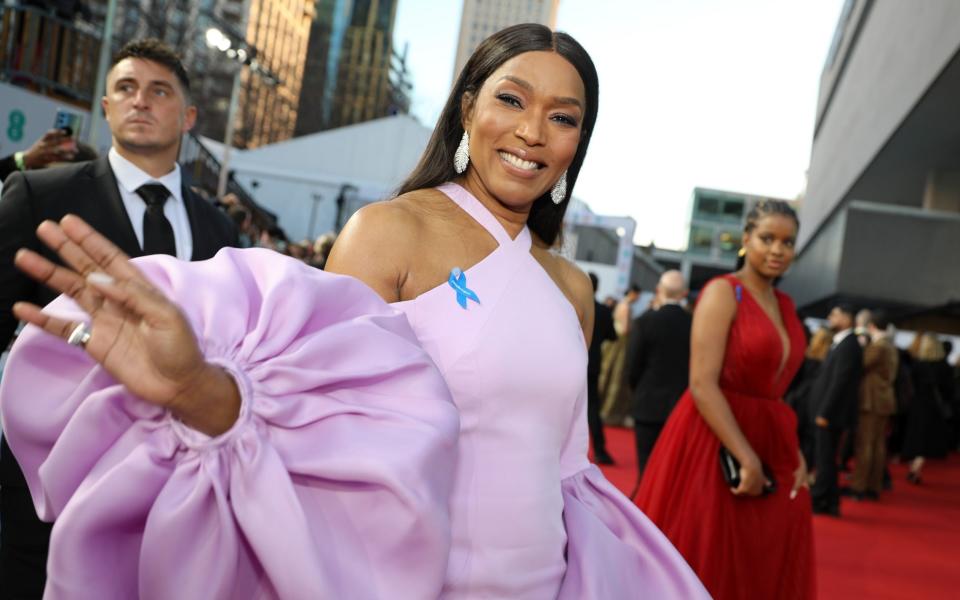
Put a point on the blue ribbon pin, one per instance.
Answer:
(458, 281)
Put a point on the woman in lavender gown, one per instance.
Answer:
(410, 424)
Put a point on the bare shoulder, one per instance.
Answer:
(375, 246)
(380, 218)
(580, 286)
(717, 298)
(388, 225)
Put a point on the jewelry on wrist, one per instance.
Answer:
(18, 159)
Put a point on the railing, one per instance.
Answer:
(203, 170)
(47, 54)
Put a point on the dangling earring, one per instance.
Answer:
(461, 158)
(559, 191)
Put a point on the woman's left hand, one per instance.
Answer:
(800, 477)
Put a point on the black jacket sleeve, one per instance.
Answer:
(636, 353)
(841, 389)
(8, 166)
(17, 224)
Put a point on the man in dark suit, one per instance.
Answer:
(658, 362)
(835, 396)
(602, 331)
(136, 198)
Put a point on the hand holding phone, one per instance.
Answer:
(54, 146)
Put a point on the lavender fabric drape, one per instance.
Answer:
(333, 483)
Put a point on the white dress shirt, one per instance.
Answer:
(840, 336)
(130, 177)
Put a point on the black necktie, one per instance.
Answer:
(157, 231)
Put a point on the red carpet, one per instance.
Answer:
(906, 546)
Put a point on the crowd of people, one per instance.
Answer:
(901, 404)
(312, 252)
(858, 405)
(429, 411)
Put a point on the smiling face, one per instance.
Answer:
(525, 124)
(146, 106)
(770, 245)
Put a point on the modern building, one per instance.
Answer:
(353, 71)
(481, 18)
(880, 221)
(603, 245)
(274, 32)
(280, 31)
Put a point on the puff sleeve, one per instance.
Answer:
(333, 483)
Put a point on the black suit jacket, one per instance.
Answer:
(658, 362)
(835, 392)
(89, 190)
(7, 166)
(602, 331)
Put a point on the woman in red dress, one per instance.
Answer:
(753, 541)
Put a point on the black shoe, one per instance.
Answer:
(848, 492)
(913, 478)
(602, 458)
(852, 494)
(870, 495)
(830, 511)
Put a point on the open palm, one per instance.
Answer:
(139, 336)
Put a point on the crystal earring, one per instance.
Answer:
(461, 158)
(559, 191)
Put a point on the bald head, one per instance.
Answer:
(672, 286)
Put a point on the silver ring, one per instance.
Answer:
(80, 335)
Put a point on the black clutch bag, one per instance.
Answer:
(730, 467)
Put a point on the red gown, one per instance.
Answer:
(740, 547)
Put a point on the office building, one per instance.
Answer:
(481, 18)
(274, 31)
(353, 71)
(880, 222)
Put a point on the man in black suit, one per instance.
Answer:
(835, 397)
(602, 331)
(658, 362)
(136, 198)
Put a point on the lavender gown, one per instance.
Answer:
(345, 476)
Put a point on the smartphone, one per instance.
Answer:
(69, 122)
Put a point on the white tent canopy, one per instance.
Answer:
(300, 179)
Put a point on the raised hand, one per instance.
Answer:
(55, 145)
(139, 336)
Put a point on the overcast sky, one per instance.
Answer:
(709, 93)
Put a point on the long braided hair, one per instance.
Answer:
(765, 208)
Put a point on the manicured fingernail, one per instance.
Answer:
(99, 278)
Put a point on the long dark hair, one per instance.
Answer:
(436, 164)
(761, 209)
